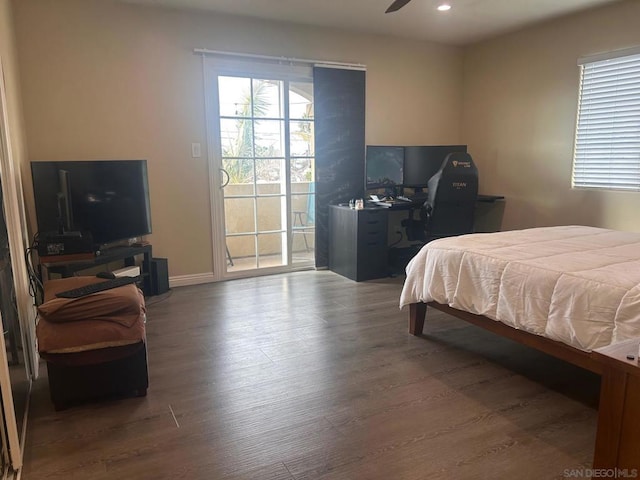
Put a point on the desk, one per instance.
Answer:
(127, 254)
(417, 203)
(360, 240)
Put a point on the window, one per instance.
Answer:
(607, 143)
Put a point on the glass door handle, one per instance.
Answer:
(225, 182)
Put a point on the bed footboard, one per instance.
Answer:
(616, 445)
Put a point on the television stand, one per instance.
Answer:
(68, 268)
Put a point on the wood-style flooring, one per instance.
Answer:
(311, 376)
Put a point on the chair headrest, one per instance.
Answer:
(457, 172)
(458, 163)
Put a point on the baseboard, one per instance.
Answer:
(195, 279)
(198, 278)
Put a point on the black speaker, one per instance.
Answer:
(160, 275)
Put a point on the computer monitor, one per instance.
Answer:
(384, 166)
(422, 162)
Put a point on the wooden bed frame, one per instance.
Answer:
(417, 312)
(617, 442)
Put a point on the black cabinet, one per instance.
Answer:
(358, 242)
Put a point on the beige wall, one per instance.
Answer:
(11, 78)
(105, 80)
(519, 114)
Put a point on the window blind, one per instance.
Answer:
(607, 143)
(340, 101)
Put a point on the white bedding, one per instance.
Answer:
(578, 285)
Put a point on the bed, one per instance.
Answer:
(570, 291)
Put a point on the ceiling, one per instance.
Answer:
(467, 22)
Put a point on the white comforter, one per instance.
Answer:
(578, 285)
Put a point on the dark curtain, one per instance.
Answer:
(339, 103)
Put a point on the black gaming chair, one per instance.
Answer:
(451, 201)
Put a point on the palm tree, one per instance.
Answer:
(238, 154)
(241, 145)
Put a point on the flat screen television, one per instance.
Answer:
(107, 198)
(384, 165)
(422, 162)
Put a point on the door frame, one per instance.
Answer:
(214, 66)
(14, 212)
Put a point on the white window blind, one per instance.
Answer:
(607, 143)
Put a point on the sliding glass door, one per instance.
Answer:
(264, 140)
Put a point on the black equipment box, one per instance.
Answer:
(160, 274)
(54, 243)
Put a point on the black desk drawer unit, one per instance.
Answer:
(358, 242)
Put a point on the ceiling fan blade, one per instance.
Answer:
(397, 5)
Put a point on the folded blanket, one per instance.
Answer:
(121, 305)
(109, 318)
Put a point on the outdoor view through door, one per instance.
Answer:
(267, 148)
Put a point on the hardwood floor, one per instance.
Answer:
(312, 376)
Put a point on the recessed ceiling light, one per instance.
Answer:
(443, 7)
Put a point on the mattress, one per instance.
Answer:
(574, 284)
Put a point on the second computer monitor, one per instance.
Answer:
(384, 166)
(422, 162)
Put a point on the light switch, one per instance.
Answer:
(196, 150)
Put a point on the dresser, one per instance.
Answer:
(358, 242)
